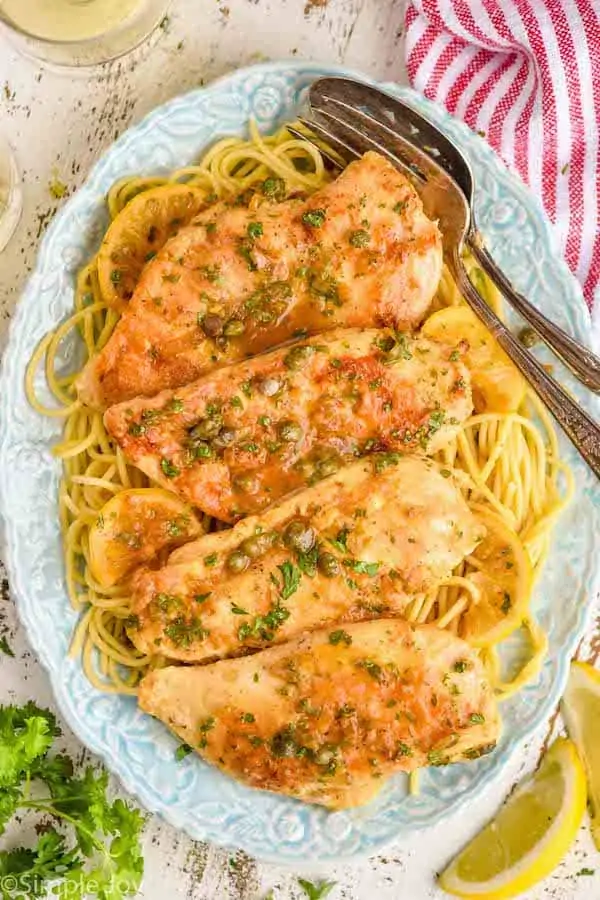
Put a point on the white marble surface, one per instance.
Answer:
(59, 123)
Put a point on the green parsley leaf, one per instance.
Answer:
(182, 751)
(238, 611)
(5, 647)
(361, 567)
(316, 891)
(290, 579)
(254, 230)
(101, 856)
(339, 636)
(314, 217)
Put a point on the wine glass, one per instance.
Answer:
(11, 199)
(80, 32)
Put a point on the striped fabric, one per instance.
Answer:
(526, 73)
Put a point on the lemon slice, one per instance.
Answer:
(581, 709)
(138, 233)
(497, 385)
(503, 577)
(133, 527)
(530, 834)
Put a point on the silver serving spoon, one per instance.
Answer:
(368, 109)
(444, 200)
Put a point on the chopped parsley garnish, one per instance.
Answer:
(211, 559)
(182, 751)
(400, 206)
(274, 189)
(461, 665)
(136, 429)
(202, 598)
(359, 238)
(381, 461)
(248, 718)
(454, 356)
(339, 636)
(290, 579)
(403, 749)
(238, 611)
(5, 647)
(340, 542)
(316, 891)
(183, 633)
(506, 603)
(254, 230)
(361, 567)
(436, 758)
(371, 668)
(115, 276)
(314, 217)
(476, 719)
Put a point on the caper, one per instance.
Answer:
(207, 428)
(247, 483)
(269, 386)
(212, 325)
(297, 357)
(289, 431)
(258, 544)
(299, 536)
(234, 328)
(225, 437)
(304, 468)
(528, 337)
(328, 565)
(237, 561)
(327, 466)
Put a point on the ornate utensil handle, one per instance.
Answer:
(584, 364)
(579, 427)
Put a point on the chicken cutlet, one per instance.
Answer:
(360, 544)
(327, 718)
(254, 272)
(242, 437)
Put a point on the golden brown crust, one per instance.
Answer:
(382, 531)
(360, 252)
(328, 717)
(242, 437)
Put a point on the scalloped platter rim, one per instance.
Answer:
(189, 794)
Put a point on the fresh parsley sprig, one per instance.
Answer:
(99, 854)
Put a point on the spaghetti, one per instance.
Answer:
(508, 464)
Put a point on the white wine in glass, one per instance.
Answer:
(10, 194)
(80, 32)
(67, 20)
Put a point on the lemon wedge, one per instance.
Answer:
(138, 232)
(581, 710)
(530, 834)
(497, 384)
(503, 577)
(133, 527)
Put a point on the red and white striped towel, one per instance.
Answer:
(527, 74)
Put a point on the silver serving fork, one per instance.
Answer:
(355, 133)
(374, 113)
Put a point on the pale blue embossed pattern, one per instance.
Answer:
(190, 794)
